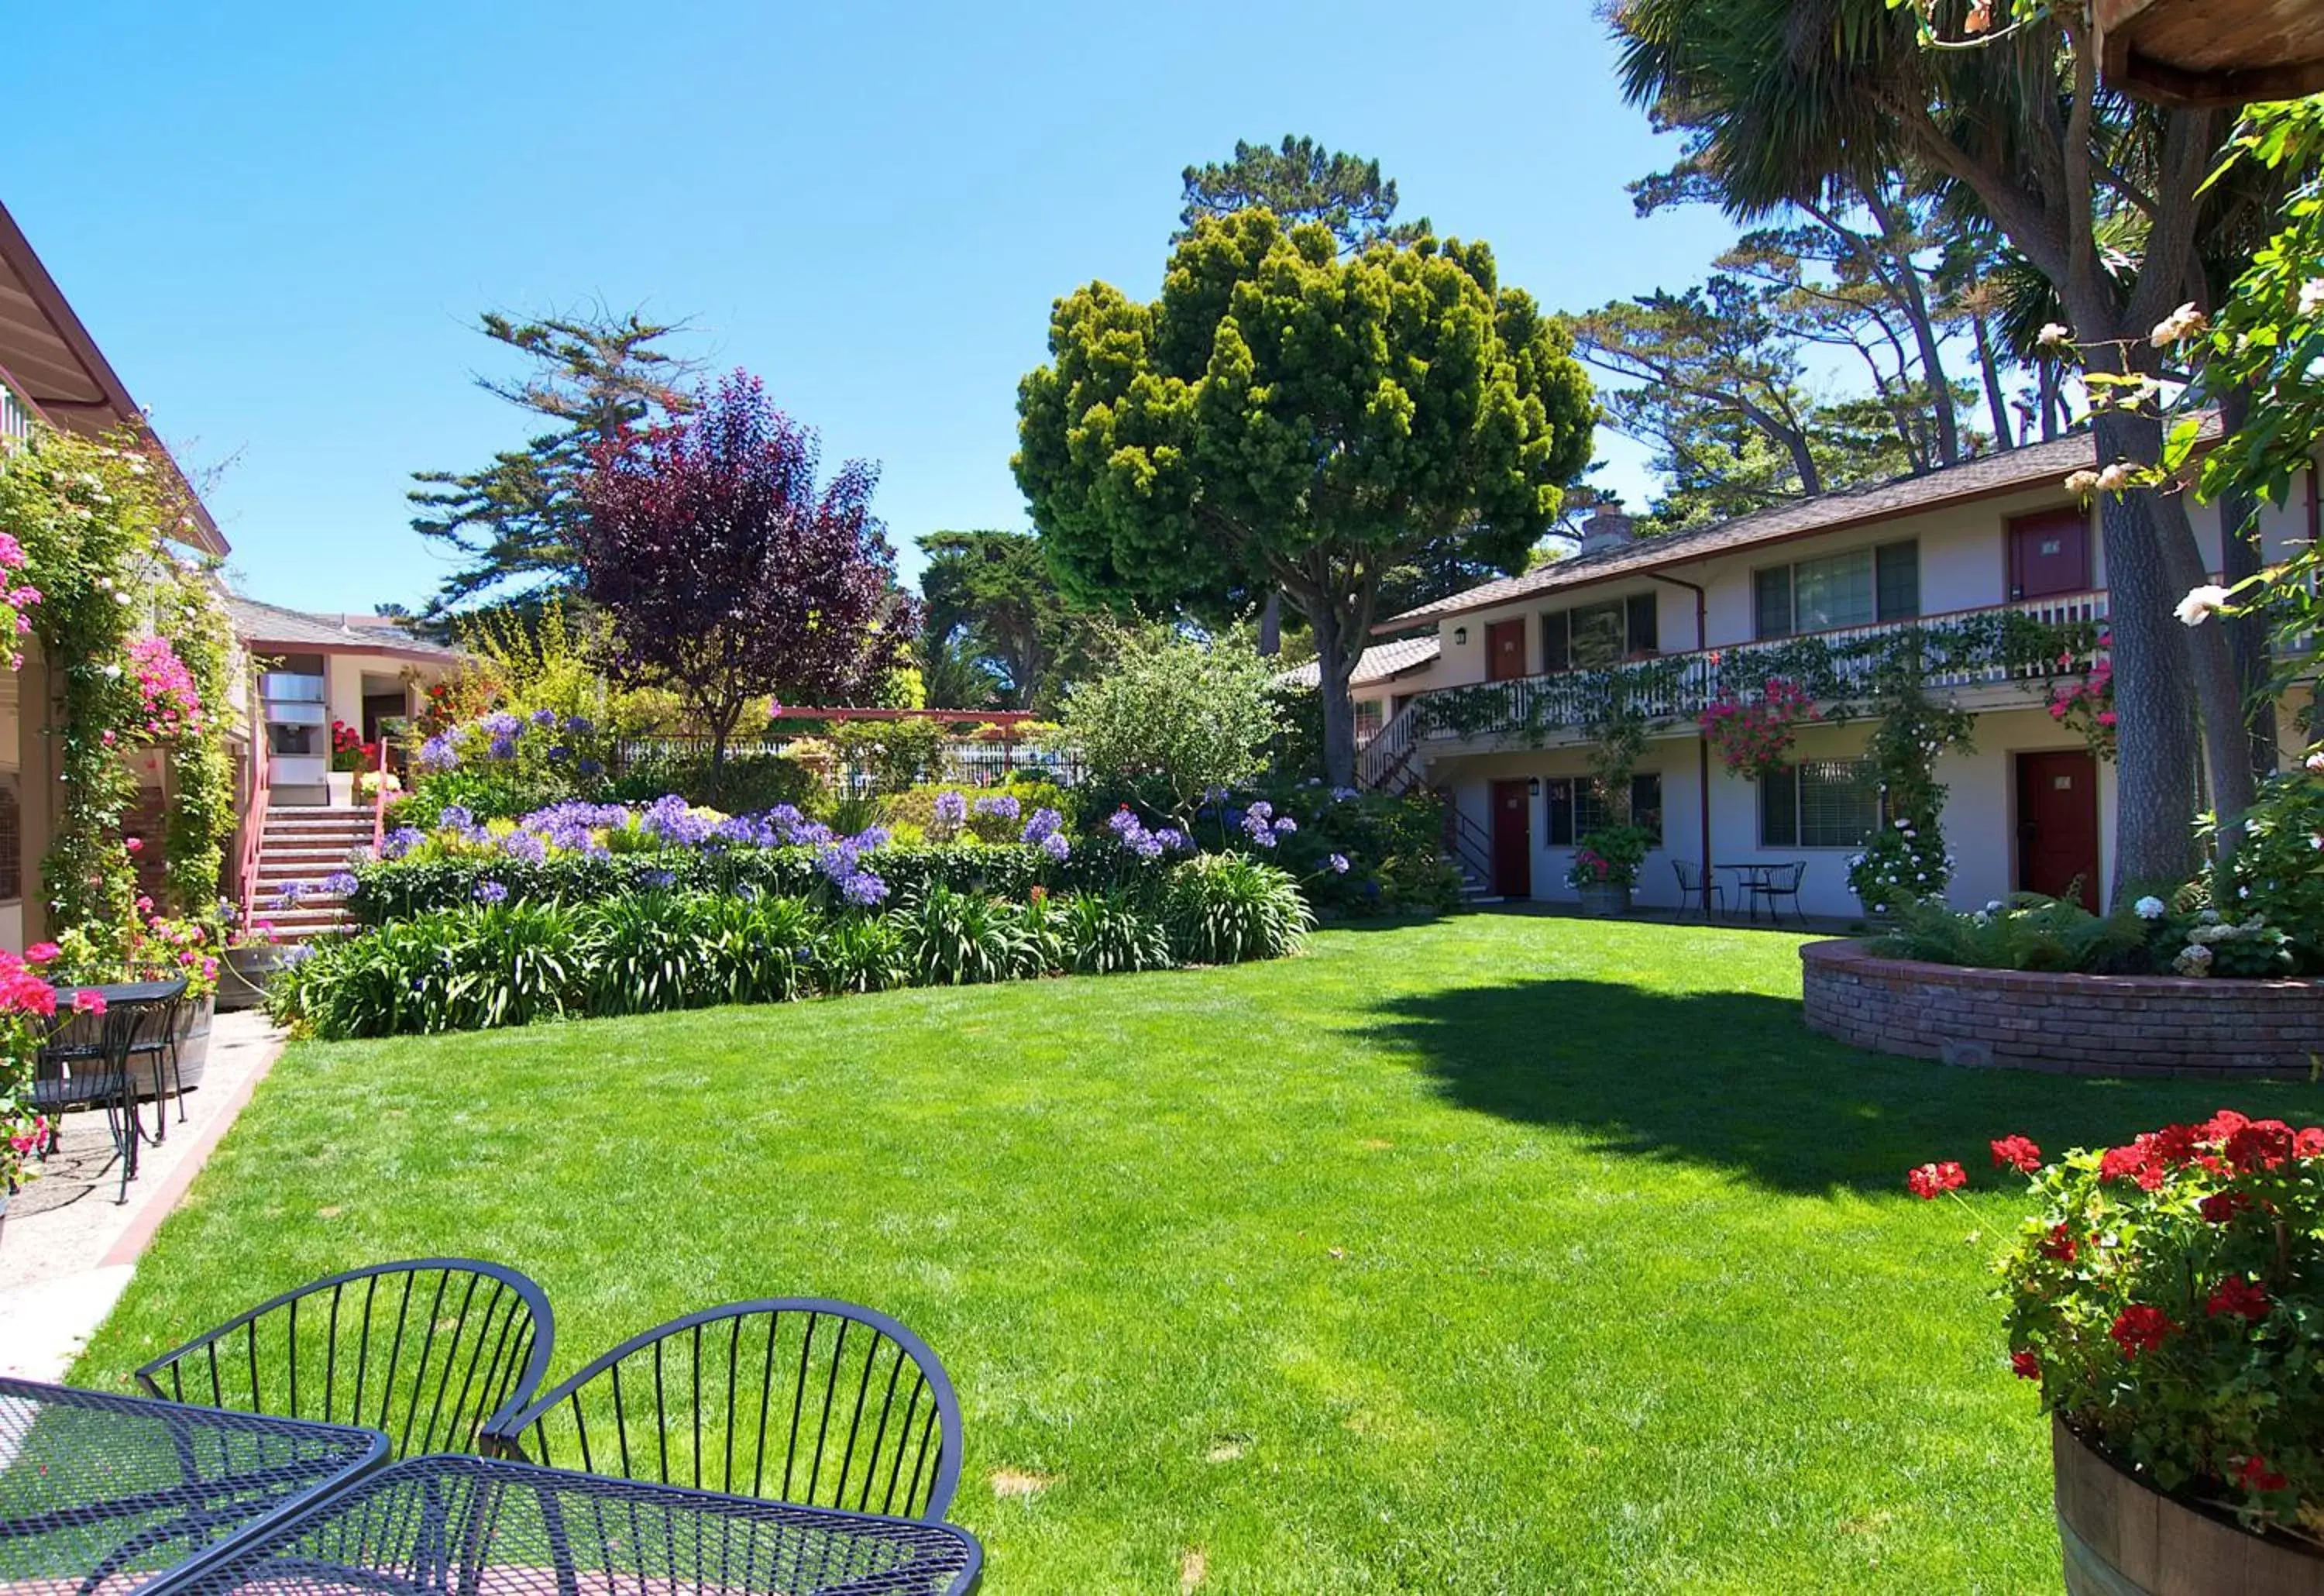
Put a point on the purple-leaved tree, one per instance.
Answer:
(730, 572)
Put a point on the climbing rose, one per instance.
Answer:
(2140, 1328)
(1931, 1179)
(2238, 1296)
(2015, 1152)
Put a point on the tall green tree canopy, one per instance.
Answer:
(991, 601)
(511, 524)
(1301, 181)
(1286, 410)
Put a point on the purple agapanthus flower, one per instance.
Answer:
(503, 748)
(396, 843)
(289, 893)
(1172, 838)
(837, 862)
(558, 753)
(528, 847)
(660, 878)
(744, 831)
(438, 754)
(544, 717)
(950, 809)
(579, 726)
(1001, 804)
(591, 767)
(492, 893)
(872, 836)
(1285, 824)
(1044, 825)
(1339, 863)
(454, 817)
(340, 884)
(501, 724)
(669, 819)
(864, 889)
(1256, 827)
(1055, 847)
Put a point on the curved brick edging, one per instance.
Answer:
(2086, 1025)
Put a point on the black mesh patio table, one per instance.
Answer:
(459, 1526)
(100, 1494)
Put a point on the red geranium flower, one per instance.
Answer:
(2139, 1328)
(1930, 1180)
(2222, 1206)
(2027, 1365)
(86, 1002)
(2236, 1294)
(2058, 1245)
(2256, 1474)
(2118, 1162)
(2223, 1124)
(2016, 1153)
(2309, 1143)
(2176, 1144)
(2263, 1144)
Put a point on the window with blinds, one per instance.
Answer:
(12, 839)
(1858, 588)
(1592, 637)
(1819, 804)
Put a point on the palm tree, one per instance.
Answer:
(1810, 97)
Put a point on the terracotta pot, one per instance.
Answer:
(1605, 899)
(2121, 1536)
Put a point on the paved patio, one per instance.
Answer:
(67, 1248)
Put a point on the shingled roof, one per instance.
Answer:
(272, 626)
(2008, 471)
(1379, 662)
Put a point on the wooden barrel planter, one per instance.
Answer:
(1605, 900)
(2120, 1537)
(243, 975)
(194, 1040)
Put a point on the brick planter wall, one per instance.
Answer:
(2093, 1025)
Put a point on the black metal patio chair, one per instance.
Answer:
(428, 1351)
(1779, 881)
(1695, 880)
(83, 1064)
(801, 1400)
(154, 1047)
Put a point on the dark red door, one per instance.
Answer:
(1505, 658)
(1512, 840)
(2049, 554)
(2058, 824)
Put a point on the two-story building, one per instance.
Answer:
(1496, 719)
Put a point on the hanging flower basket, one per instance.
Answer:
(1752, 732)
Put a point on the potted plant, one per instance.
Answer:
(350, 755)
(250, 958)
(1606, 865)
(2168, 1298)
(27, 1001)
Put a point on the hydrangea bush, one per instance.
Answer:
(1903, 863)
(2168, 1297)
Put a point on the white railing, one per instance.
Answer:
(15, 417)
(1677, 686)
(1378, 760)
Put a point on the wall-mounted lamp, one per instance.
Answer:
(1460, 637)
(1533, 786)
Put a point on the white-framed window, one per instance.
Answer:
(1818, 803)
(1368, 720)
(1592, 636)
(1578, 808)
(1857, 587)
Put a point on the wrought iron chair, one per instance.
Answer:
(83, 1064)
(1779, 881)
(1696, 881)
(794, 1400)
(431, 1351)
(152, 1044)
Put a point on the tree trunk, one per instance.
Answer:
(2155, 762)
(1332, 672)
(1271, 625)
(1996, 398)
(2210, 668)
(2247, 646)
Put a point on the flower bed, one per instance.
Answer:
(2063, 1023)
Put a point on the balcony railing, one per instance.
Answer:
(15, 418)
(2024, 643)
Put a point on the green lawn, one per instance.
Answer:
(1507, 1253)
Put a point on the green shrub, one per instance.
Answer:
(917, 807)
(950, 939)
(761, 946)
(1108, 934)
(861, 955)
(750, 784)
(1220, 908)
(2146, 936)
(2279, 872)
(488, 792)
(654, 951)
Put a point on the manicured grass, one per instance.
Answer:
(1502, 1254)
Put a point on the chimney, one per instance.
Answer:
(1607, 528)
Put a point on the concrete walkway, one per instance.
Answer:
(67, 1249)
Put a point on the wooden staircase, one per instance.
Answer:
(302, 847)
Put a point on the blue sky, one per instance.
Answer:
(279, 220)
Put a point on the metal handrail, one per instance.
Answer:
(379, 799)
(1704, 671)
(1468, 841)
(254, 825)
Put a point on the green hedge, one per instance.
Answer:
(477, 965)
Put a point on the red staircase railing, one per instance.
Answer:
(254, 823)
(379, 798)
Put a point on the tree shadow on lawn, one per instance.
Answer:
(1736, 1080)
